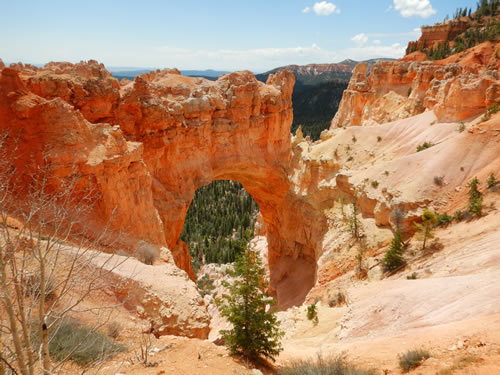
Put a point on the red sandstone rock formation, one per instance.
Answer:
(52, 130)
(401, 89)
(444, 32)
(166, 136)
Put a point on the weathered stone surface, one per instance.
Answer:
(52, 132)
(162, 295)
(88, 87)
(456, 88)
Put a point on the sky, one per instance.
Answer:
(257, 35)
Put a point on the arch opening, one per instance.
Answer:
(219, 224)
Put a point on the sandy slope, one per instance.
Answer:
(455, 301)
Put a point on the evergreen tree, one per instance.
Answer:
(255, 331)
(355, 226)
(393, 258)
(475, 197)
(429, 219)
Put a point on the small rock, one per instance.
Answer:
(460, 344)
(257, 372)
(452, 348)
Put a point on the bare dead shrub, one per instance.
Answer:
(146, 252)
(114, 329)
(44, 278)
(438, 180)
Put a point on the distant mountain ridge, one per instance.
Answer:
(125, 72)
(314, 74)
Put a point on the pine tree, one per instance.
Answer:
(429, 219)
(393, 258)
(475, 197)
(355, 226)
(255, 331)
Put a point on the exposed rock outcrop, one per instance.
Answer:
(161, 295)
(396, 90)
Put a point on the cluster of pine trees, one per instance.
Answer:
(219, 223)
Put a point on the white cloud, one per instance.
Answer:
(377, 42)
(306, 10)
(410, 8)
(360, 39)
(324, 8)
(388, 9)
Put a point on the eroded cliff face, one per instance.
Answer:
(456, 88)
(147, 145)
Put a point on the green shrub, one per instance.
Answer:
(461, 127)
(458, 215)
(354, 139)
(205, 285)
(412, 359)
(413, 276)
(491, 182)
(444, 219)
(312, 313)
(424, 146)
(330, 366)
(379, 138)
(81, 343)
(491, 110)
(374, 184)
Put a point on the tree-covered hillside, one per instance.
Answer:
(219, 222)
(315, 106)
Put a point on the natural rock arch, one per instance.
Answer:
(233, 129)
(149, 144)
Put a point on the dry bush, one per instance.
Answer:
(324, 366)
(146, 252)
(45, 278)
(412, 359)
(114, 329)
(337, 300)
(438, 180)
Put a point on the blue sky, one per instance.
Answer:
(225, 35)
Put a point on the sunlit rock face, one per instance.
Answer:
(456, 88)
(147, 145)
